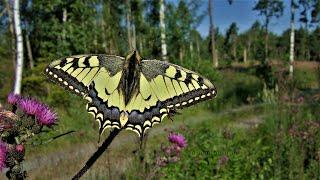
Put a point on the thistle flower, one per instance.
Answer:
(19, 152)
(177, 139)
(45, 116)
(13, 98)
(3, 154)
(223, 160)
(29, 106)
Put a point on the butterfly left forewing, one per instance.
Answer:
(76, 73)
(96, 78)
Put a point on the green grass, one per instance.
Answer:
(307, 78)
(267, 151)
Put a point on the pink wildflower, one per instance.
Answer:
(29, 106)
(45, 116)
(177, 139)
(13, 98)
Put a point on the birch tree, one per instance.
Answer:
(293, 7)
(163, 32)
(19, 47)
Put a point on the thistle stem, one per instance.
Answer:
(97, 154)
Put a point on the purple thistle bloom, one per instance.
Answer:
(46, 116)
(223, 160)
(3, 155)
(29, 106)
(177, 139)
(13, 98)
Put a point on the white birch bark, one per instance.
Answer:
(19, 47)
(291, 58)
(245, 55)
(163, 32)
(64, 20)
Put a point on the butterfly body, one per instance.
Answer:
(130, 93)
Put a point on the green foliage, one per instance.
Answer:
(282, 147)
(314, 44)
(269, 8)
(306, 78)
(231, 41)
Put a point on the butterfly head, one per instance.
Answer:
(134, 56)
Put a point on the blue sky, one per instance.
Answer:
(241, 12)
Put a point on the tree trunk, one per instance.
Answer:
(104, 39)
(216, 57)
(140, 45)
(19, 45)
(163, 32)
(234, 52)
(249, 49)
(11, 29)
(266, 45)
(198, 47)
(64, 20)
(29, 50)
(181, 54)
(292, 39)
(128, 22)
(245, 55)
(213, 43)
(134, 39)
(191, 49)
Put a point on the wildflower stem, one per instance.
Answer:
(17, 140)
(14, 109)
(97, 154)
